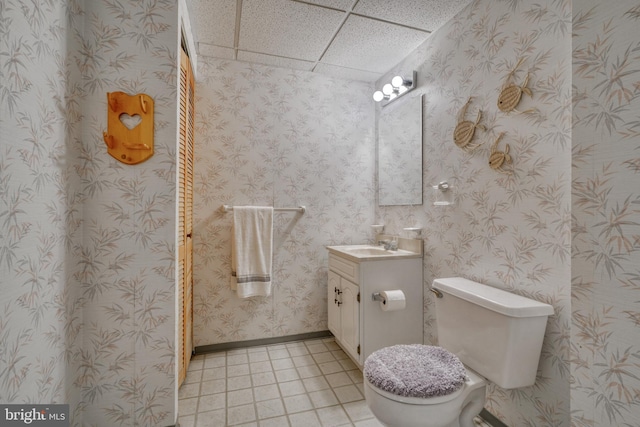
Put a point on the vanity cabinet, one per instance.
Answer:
(344, 313)
(359, 324)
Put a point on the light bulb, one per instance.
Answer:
(397, 81)
(387, 89)
(378, 96)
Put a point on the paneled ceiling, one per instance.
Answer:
(351, 39)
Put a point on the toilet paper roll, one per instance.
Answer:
(393, 300)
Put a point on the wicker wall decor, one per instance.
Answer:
(511, 94)
(497, 159)
(465, 130)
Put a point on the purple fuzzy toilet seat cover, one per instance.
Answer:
(415, 370)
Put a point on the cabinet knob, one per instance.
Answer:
(337, 291)
(335, 301)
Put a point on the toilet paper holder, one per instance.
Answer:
(376, 296)
(390, 300)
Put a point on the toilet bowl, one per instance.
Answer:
(485, 335)
(454, 410)
(420, 385)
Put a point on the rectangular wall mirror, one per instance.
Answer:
(400, 153)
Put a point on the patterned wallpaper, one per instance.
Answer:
(40, 205)
(86, 244)
(270, 136)
(87, 248)
(512, 231)
(605, 298)
(128, 250)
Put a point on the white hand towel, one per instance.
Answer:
(251, 250)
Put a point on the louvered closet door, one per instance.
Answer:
(185, 215)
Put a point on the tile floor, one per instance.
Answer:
(304, 383)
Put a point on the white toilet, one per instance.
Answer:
(495, 334)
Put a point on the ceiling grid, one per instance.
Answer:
(352, 39)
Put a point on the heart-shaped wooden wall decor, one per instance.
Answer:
(130, 121)
(129, 135)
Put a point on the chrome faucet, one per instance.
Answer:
(384, 243)
(389, 245)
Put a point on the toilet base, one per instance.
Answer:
(473, 406)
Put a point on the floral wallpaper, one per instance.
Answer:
(511, 230)
(88, 244)
(41, 310)
(128, 253)
(605, 269)
(276, 137)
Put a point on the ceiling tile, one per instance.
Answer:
(286, 28)
(368, 44)
(215, 21)
(347, 73)
(275, 61)
(336, 4)
(215, 51)
(424, 14)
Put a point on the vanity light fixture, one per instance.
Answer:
(391, 91)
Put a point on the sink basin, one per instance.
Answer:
(365, 252)
(370, 251)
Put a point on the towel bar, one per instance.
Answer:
(301, 209)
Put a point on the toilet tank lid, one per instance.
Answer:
(491, 298)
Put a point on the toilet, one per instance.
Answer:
(485, 334)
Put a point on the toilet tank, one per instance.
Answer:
(494, 332)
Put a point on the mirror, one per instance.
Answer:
(400, 153)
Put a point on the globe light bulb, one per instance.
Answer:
(397, 81)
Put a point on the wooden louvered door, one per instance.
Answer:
(185, 215)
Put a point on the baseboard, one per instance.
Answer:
(491, 419)
(212, 348)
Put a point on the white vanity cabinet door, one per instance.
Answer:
(333, 314)
(350, 318)
(343, 313)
